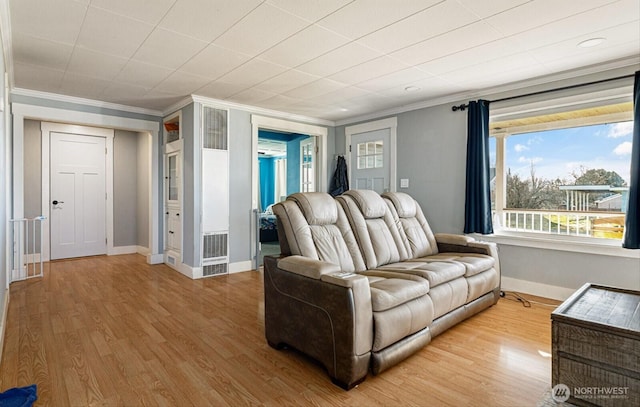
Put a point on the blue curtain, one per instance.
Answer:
(477, 209)
(632, 223)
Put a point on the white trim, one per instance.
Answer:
(538, 289)
(24, 111)
(157, 258)
(82, 101)
(225, 104)
(144, 251)
(118, 250)
(3, 321)
(390, 123)
(240, 267)
(47, 128)
(576, 244)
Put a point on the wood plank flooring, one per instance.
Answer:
(115, 331)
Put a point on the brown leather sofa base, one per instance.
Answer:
(331, 337)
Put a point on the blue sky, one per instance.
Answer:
(558, 153)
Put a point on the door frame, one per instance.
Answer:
(270, 123)
(392, 124)
(108, 134)
(151, 128)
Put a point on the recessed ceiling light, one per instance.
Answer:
(411, 89)
(344, 109)
(591, 42)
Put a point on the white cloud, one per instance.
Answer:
(530, 160)
(620, 130)
(520, 148)
(623, 148)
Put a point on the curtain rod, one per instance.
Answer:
(463, 106)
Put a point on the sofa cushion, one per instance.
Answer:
(378, 237)
(417, 236)
(369, 203)
(318, 208)
(435, 271)
(387, 293)
(404, 204)
(399, 322)
(473, 263)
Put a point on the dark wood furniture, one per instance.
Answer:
(596, 346)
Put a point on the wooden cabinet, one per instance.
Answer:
(596, 347)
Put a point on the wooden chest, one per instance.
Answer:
(596, 347)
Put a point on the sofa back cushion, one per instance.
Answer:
(315, 226)
(373, 226)
(417, 236)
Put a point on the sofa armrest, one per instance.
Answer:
(326, 315)
(307, 267)
(449, 238)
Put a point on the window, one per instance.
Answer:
(307, 175)
(563, 173)
(370, 155)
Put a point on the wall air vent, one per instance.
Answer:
(214, 135)
(214, 246)
(215, 269)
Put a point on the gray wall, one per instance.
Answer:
(142, 193)
(432, 154)
(125, 188)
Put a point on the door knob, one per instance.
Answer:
(57, 202)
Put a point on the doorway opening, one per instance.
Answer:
(286, 165)
(305, 154)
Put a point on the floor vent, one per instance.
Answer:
(171, 260)
(215, 269)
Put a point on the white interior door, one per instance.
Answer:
(78, 195)
(370, 160)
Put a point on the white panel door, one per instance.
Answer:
(78, 195)
(370, 160)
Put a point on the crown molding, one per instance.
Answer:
(247, 108)
(574, 75)
(82, 101)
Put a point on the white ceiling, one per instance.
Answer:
(327, 59)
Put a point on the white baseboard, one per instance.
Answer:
(3, 322)
(538, 289)
(143, 250)
(240, 266)
(117, 250)
(157, 258)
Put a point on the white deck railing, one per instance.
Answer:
(26, 261)
(609, 225)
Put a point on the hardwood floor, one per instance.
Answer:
(115, 331)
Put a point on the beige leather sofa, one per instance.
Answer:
(363, 283)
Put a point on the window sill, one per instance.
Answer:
(577, 244)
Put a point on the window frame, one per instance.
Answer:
(620, 93)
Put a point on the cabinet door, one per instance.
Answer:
(174, 230)
(172, 179)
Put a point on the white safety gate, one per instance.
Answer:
(26, 258)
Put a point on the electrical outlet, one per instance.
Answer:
(404, 183)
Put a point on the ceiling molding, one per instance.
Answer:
(248, 108)
(630, 62)
(82, 101)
